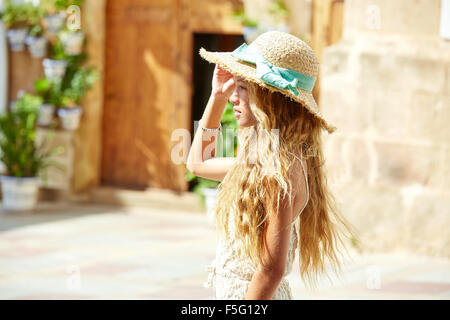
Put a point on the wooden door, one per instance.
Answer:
(142, 96)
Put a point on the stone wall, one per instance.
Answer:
(386, 86)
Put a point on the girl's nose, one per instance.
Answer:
(234, 98)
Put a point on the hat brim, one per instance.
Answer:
(248, 72)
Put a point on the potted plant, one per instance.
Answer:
(69, 110)
(56, 17)
(250, 29)
(15, 18)
(54, 22)
(23, 159)
(37, 43)
(50, 94)
(65, 92)
(280, 13)
(207, 189)
(55, 66)
(72, 41)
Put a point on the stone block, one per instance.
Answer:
(446, 88)
(345, 106)
(404, 164)
(390, 112)
(429, 116)
(374, 213)
(349, 159)
(440, 177)
(388, 218)
(406, 70)
(335, 61)
(402, 17)
(426, 224)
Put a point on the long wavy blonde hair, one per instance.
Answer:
(259, 180)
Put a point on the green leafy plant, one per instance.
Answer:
(200, 184)
(64, 4)
(53, 6)
(49, 91)
(243, 19)
(228, 122)
(36, 14)
(279, 11)
(20, 154)
(57, 51)
(67, 92)
(82, 81)
(77, 79)
(18, 15)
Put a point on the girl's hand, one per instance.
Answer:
(223, 83)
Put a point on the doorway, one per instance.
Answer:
(203, 70)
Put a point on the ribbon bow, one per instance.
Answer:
(281, 78)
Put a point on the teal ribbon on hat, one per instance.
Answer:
(278, 77)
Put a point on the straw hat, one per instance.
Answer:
(277, 61)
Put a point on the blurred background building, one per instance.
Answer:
(384, 82)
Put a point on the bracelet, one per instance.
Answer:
(209, 129)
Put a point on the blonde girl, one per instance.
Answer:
(273, 199)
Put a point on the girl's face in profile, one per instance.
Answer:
(239, 98)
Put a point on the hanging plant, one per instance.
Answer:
(64, 4)
(16, 19)
(51, 95)
(70, 111)
(66, 93)
(72, 41)
(250, 27)
(279, 12)
(243, 19)
(36, 41)
(55, 66)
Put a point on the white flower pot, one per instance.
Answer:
(46, 112)
(55, 22)
(70, 117)
(211, 200)
(72, 42)
(54, 69)
(16, 38)
(37, 46)
(19, 193)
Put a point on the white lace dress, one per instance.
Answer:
(231, 276)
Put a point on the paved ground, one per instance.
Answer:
(67, 251)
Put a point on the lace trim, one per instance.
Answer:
(213, 272)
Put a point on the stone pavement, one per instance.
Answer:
(81, 251)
